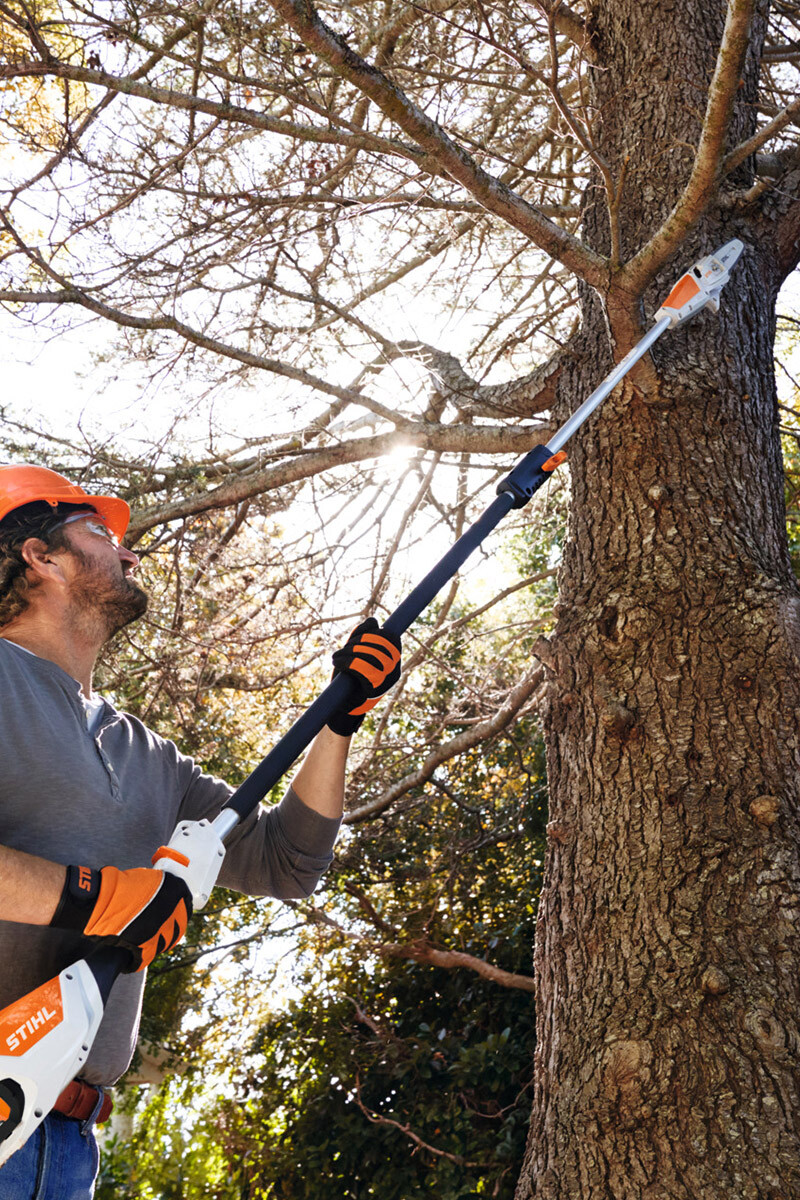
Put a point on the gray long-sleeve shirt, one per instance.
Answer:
(111, 798)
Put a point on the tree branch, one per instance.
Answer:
(708, 164)
(73, 295)
(423, 952)
(130, 85)
(570, 25)
(444, 438)
(377, 1119)
(532, 393)
(496, 197)
(785, 117)
(457, 745)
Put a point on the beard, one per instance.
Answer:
(109, 600)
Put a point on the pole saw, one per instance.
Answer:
(46, 1036)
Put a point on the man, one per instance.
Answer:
(88, 793)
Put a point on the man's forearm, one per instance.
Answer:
(320, 781)
(30, 887)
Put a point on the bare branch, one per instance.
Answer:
(422, 952)
(521, 397)
(495, 196)
(457, 745)
(130, 85)
(442, 438)
(377, 1119)
(72, 295)
(568, 24)
(779, 122)
(708, 164)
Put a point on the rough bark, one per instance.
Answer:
(667, 946)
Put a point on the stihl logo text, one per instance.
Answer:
(27, 1021)
(26, 1031)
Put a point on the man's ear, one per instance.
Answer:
(43, 562)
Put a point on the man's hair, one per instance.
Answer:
(35, 520)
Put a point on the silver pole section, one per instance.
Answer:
(225, 822)
(562, 435)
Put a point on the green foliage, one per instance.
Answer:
(788, 346)
(371, 1037)
(165, 1160)
(445, 1055)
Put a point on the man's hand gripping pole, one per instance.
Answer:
(46, 1036)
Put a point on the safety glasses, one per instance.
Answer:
(95, 524)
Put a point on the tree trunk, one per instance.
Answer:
(667, 947)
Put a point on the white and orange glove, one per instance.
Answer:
(371, 657)
(141, 910)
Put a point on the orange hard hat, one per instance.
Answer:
(21, 484)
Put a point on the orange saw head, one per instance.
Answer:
(700, 287)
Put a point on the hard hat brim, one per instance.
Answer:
(115, 512)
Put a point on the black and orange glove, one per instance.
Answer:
(371, 657)
(143, 911)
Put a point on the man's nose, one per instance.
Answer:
(127, 556)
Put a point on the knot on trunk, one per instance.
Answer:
(657, 495)
(765, 810)
(714, 982)
(608, 622)
(626, 1075)
(767, 1032)
(619, 721)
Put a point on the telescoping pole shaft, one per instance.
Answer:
(570, 426)
(340, 689)
(513, 492)
(697, 289)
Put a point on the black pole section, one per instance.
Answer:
(292, 745)
(417, 601)
(513, 492)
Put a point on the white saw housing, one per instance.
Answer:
(45, 1039)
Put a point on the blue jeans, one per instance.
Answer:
(58, 1162)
